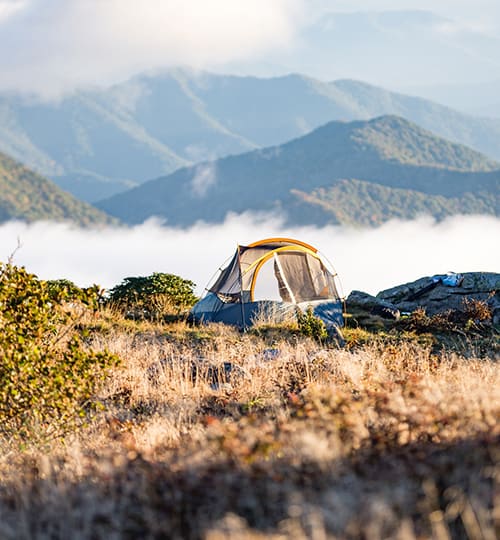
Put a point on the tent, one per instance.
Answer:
(274, 275)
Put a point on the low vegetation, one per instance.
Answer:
(28, 196)
(468, 331)
(206, 432)
(47, 377)
(153, 297)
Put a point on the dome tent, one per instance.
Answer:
(277, 274)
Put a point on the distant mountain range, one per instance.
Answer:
(480, 99)
(96, 144)
(389, 48)
(361, 172)
(27, 196)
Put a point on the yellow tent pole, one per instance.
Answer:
(289, 240)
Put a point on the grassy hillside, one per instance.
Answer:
(98, 143)
(387, 151)
(382, 439)
(27, 196)
(154, 428)
(355, 202)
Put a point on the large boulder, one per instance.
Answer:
(446, 292)
(361, 301)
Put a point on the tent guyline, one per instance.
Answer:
(277, 273)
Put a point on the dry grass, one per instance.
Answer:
(293, 441)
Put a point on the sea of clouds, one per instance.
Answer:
(370, 259)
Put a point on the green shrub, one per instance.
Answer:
(310, 325)
(47, 378)
(153, 296)
(64, 290)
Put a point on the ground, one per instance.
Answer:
(394, 435)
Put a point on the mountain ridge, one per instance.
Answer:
(98, 143)
(27, 196)
(263, 180)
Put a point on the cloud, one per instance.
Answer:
(204, 179)
(365, 259)
(9, 8)
(52, 47)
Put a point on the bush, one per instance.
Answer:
(310, 325)
(472, 312)
(47, 378)
(153, 296)
(477, 310)
(64, 290)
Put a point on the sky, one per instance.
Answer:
(51, 47)
(462, 10)
(365, 259)
(55, 45)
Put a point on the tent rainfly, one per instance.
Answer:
(275, 275)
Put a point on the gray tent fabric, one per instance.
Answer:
(305, 277)
(229, 280)
(302, 279)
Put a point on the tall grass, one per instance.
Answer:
(293, 441)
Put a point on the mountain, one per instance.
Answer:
(414, 47)
(273, 111)
(389, 161)
(98, 143)
(356, 202)
(85, 147)
(27, 196)
(480, 99)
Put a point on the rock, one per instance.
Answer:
(496, 316)
(372, 304)
(436, 297)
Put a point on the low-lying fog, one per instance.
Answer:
(365, 259)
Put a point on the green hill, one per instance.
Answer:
(355, 202)
(95, 144)
(440, 178)
(27, 196)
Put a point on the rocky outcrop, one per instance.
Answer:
(435, 295)
(361, 301)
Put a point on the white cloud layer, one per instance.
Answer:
(366, 259)
(52, 46)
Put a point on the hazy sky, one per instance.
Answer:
(366, 259)
(51, 46)
(453, 9)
